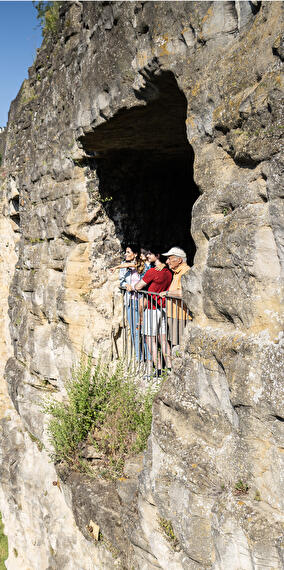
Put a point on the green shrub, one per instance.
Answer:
(48, 16)
(3, 546)
(104, 409)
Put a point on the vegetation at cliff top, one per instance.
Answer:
(106, 414)
(48, 16)
(3, 546)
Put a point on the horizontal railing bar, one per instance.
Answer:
(167, 296)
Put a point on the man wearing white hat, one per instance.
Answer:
(177, 315)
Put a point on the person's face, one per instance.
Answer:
(129, 254)
(151, 257)
(143, 256)
(173, 261)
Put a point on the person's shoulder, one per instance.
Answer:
(149, 273)
(150, 270)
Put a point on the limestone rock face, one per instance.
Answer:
(158, 122)
(2, 140)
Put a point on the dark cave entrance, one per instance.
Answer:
(145, 168)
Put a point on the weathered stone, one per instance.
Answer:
(138, 120)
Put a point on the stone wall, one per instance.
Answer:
(191, 91)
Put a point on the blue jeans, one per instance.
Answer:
(132, 311)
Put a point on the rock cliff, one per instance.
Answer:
(2, 142)
(159, 121)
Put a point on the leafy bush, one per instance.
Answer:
(48, 16)
(3, 546)
(104, 409)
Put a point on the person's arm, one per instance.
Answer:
(163, 293)
(140, 285)
(176, 293)
(147, 278)
(123, 266)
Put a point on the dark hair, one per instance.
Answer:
(134, 247)
(154, 252)
(144, 251)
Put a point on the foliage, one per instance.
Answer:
(105, 410)
(3, 546)
(167, 527)
(226, 210)
(48, 16)
(241, 488)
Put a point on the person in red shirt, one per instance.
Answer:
(158, 279)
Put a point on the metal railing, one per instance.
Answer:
(153, 325)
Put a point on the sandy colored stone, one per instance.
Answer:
(105, 81)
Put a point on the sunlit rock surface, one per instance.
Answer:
(100, 148)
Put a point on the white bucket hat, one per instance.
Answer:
(176, 251)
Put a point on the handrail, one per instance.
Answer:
(153, 325)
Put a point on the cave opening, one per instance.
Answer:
(145, 168)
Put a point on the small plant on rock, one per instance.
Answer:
(104, 413)
(167, 528)
(241, 488)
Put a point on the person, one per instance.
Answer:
(144, 257)
(177, 315)
(157, 279)
(128, 277)
(144, 253)
(140, 263)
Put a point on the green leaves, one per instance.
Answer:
(104, 409)
(48, 16)
(3, 546)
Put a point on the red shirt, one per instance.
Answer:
(158, 281)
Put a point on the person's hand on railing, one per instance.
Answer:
(129, 288)
(163, 293)
(174, 294)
